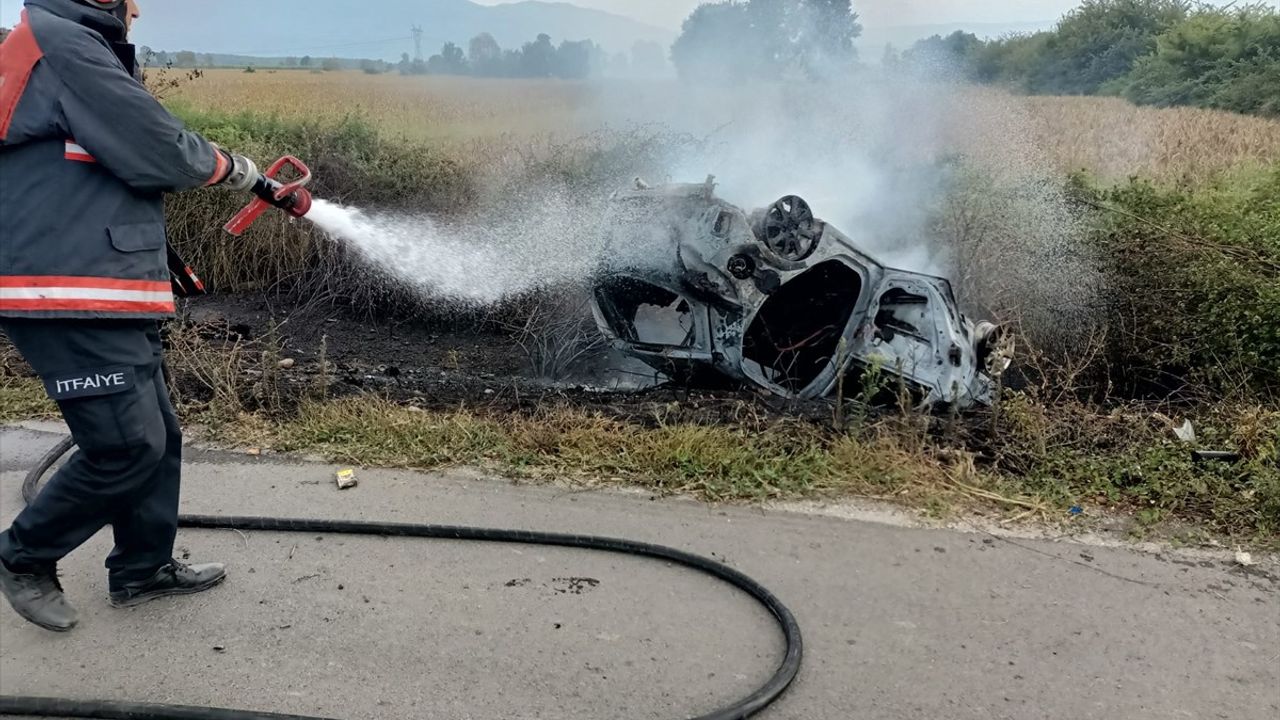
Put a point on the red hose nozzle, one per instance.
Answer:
(292, 197)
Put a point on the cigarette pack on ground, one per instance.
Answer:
(346, 479)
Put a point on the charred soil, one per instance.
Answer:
(454, 361)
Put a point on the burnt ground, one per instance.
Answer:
(451, 362)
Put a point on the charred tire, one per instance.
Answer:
(745, 708)
(790, 229)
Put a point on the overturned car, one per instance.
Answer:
(780, 299)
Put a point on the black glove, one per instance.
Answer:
(243, 173)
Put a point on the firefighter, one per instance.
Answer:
(86, 156)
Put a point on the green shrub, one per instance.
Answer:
(1224, 59)
(1192, 282)
(1071, 454)
(1154, 52)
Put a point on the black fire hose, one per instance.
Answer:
(745, 708)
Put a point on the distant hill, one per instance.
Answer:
(374, 29)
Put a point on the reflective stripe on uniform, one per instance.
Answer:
(19, 54)
(221, 166)
(89, 294)
(78, 153)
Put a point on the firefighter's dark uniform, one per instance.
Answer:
(86, 154)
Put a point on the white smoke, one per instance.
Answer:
(933, 177)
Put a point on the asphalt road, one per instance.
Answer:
(899, 622)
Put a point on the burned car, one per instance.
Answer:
(781, 299)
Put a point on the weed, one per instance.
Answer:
(24, 398)
(556, 335)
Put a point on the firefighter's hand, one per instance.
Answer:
(243, 172)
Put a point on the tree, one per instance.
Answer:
(1099, 42)
(306, 61)
(648, 58)
(815, 36)
(620, 64)
(891, 58)
(537, 59)
(1009, 60)
(1157, 52)
(1225, 59)
(715, 43)
(950, 56)
(331, 64)
(512, 63)
(450, 61)
(185, 59)
(291, 62)
(599, 62)
(736, 39)
(572, 60)
(484, 56)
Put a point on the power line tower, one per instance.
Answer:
(417, 43)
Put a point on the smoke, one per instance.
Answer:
(927, 176)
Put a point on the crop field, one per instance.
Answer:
(418, 107)
(1108, 137)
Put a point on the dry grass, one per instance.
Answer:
(785, 460)
(22, 395)
(24, 398)
(417, 107)
(1114, 139)
(1036, 460)
(1108, 137)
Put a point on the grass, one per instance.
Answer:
(786, 460)
(1115, 139)
(1032, 460)
(1047, 462)
(23, 398)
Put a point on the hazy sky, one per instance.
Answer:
(875, 13)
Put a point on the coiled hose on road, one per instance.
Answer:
(745, 708)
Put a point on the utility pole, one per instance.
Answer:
(417, 43)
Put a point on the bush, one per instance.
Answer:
(352, 164)
(1154, 52)
(1219, 59)
(1071, 453)
(1192, 284)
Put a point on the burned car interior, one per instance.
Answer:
(780, 299)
